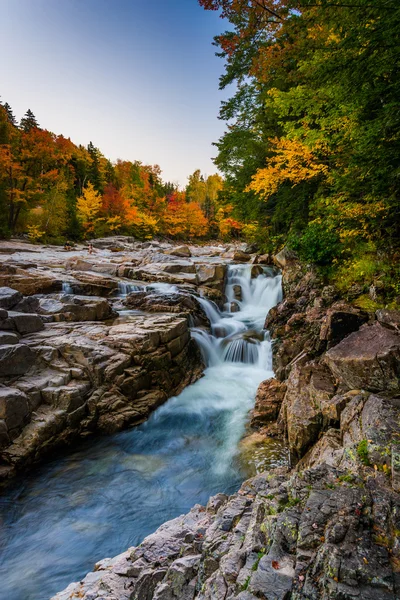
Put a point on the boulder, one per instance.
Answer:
(268, 402)
(14, 407)
(308, 387)
(9, 297)
(113, 243)
(8, 337)
(31, 282)
(339, 322)
(29, 304)
(76, 308)
(211, 275)
(26, 323)
(283, 258)
(15, 359)
(367, 359)
(177, 302)
(95, 284)
(183, 251)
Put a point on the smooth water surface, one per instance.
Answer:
(112, 492)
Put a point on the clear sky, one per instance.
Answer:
(138, 78)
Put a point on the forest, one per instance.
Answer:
(310, 157)
(311, 154)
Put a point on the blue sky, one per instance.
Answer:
(138, 78)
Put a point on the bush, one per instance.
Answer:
(317, 244)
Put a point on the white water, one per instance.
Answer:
(125, 288)
(67, 288)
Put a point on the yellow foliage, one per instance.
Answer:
(293, 162)
(34, 233)
(88, 207)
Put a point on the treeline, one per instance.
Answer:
(311, 155)
(54, 190)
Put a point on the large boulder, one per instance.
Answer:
(26, 323)
(367, 359)
(14, 408)
(309, 387)
(15, 359)
(28, 282)
(95, 284)
(9, 297)
(268, 402)
(339, 322)
(211, 275)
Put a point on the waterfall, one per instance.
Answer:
(238, 337)
(67, 288)
(113, 491)
(126, 288)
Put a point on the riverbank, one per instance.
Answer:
(329, 527)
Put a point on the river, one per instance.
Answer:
(111, 492)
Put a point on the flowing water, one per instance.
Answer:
(112, 492)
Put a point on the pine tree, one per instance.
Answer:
(10, 114)
(28, 121)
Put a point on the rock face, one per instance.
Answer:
(269, 398)
(314, 536)
(182, 303)
(91, 378)
(369, 359)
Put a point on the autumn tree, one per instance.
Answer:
(88, 207)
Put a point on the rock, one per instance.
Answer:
(268, 402)
(256, 270)
(179, 302)
(389, 318)
(15, 359)
(340, 322)
(76, 308)
(367, 359)
(211, 275)
(31, 282)
(183, 251)
(283, 258)
(14, 407)
(308, 387)
(8, 337)
(9, 297)
(113, 243)
(328, 450)
(95, 284)
(30, 304)
(264, 259)
(26, 323)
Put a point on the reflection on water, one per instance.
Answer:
(112, 492)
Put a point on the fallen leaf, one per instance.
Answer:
(315, 526)
(301, 577)
(275, 564)
(365, 560)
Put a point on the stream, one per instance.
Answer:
(111, 492)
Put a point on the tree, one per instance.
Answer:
(28, 121)
(88, 207)
(11, 119)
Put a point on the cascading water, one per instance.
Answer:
(112, 492)
(125, 288)
(67, 288)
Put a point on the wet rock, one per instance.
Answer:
(15, 359)
(9, 297)
(256, 270)
(367, 359)
(268, 402)
(264, 259)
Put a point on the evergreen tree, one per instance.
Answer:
(10, 114)
(28, 121)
